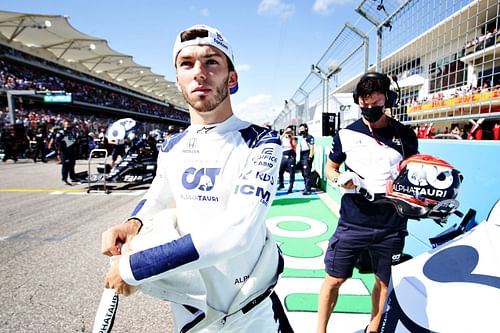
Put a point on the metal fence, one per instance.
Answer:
(345, 58)
(444, 55)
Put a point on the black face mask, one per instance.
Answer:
(372, 114)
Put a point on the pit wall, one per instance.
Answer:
(479, 162)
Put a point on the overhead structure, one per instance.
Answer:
(52, 38)
(380, 14)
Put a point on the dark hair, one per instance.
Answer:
(305, 126)
(372, 82)
(375, 82)
(202, 33)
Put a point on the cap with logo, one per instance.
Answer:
(213, 38)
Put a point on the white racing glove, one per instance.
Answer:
(360, 188)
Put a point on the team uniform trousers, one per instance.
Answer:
(288, 165)
(68, 161)
(306, 169)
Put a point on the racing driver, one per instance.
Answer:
(220, 175)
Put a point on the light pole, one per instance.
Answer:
(10, 101)
(333, 69)
(316, 70)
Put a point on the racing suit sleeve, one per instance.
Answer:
(158, 197)
(232, 234)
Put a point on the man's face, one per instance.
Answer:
(203, 77)
(372, 106)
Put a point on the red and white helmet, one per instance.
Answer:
(425, 187)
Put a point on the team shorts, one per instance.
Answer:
(348, 241)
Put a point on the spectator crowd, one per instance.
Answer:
(28, 72)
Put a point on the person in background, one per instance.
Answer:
(51, 144)
(40, 144)
(305, 156)
(119, 150)
(67, 150)
(9, 144)
(455, 129)
(496, 131)
(170, 132)
(287, 159)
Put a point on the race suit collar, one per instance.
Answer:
(229, 124)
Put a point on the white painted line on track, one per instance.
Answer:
(305, 322)
(117, 193)
(288, 285)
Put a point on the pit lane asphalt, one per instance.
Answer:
(51, 269)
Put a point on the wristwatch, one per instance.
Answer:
(335, 179)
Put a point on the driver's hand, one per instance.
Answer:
(113, 238)
(114, 281)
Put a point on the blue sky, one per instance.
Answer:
(274, 41)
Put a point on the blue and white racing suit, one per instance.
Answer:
(221, 180)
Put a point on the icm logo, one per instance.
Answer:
(258, 191)
(202, 179)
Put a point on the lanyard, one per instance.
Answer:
(373, 135)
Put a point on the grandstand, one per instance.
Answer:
(444, 55)
(40, 53)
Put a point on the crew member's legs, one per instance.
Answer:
(35, 153)
(328, 296)
(65, 161)
(71, 170)
(379, 294)
(341, 255)
(283, 167)
(306, 172)
(290, 168)
(387, 243)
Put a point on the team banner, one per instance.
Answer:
(459, 101)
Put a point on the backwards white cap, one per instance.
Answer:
(214, 38)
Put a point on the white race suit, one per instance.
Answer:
(221, 180)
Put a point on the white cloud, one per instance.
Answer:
(243, 67)
(324, 7)
(276, 8)
(257, 109)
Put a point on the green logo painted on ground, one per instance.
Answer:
(302, 228)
